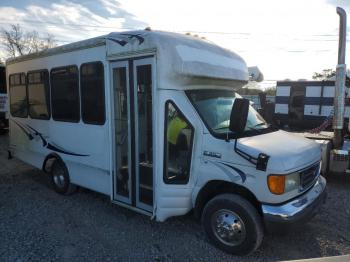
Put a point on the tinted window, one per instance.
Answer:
(18, 95)
(178, 146)
(39, 94)
(92, 93)
(2, 80)
(65, 94)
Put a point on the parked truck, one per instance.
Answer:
(323, 107)
(305, 105)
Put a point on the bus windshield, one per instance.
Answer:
(214, 107)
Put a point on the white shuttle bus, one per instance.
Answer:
(151, 119)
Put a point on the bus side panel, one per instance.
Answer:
(89, 177)
(20, 146)
(84, 148)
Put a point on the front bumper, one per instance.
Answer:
(298, 210)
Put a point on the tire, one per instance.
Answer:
(60, 180)
(233, 224)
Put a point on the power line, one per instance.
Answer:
(112, 27)
(124, 28)
(71, 29)
(43, 38)
(24, 23)
(103, 31)
(30, 21)
(65, 24)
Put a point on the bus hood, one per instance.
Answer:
(287, 151)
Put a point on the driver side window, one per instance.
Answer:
(178, 144)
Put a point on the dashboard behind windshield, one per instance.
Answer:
(214, 107)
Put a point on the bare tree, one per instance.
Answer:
(12, 41)
(17, 42)
(324, 75)
(35, 44)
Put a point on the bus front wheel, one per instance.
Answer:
(233, 224)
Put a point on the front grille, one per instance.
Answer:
(308, 176)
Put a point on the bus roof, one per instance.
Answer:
(177, 54)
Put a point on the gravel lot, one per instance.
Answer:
(36, 224)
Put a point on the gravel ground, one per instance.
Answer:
(36, 224)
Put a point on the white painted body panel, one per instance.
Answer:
(283, 91)
(328, 91)
(281, 108)
(313, 91)
(182, 59)
(288, 153)
(327, 110)
(311, 110)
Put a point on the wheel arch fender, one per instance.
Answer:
(215, 187)
(49, 159)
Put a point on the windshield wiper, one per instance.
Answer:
(220, 128)
(254, 129)
(261, 124)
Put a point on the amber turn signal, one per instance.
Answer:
(276, 184)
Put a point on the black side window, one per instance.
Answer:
(18, 95)
(2, 80)
(39, 94)
(177, 146)
(65, 94)
(92, 93)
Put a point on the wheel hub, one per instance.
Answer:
(228, 227)
(59, 178)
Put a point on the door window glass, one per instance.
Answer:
(121, 131)
(145, 144)
(178, 146)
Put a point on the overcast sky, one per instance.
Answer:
(285, 38)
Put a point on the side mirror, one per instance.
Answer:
(239, 115)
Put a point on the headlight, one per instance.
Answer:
(280, 184)
(292, 182)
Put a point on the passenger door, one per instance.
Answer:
(179, 136)
(132, 83)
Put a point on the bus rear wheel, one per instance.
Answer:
(233, 224)
(60, 180)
